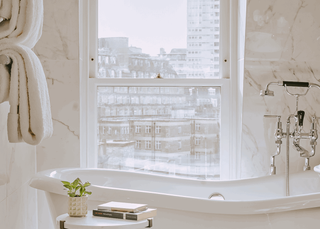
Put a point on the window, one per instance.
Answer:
(147, 144)
(176, 95)
(197, 127)
(138, 129)
(138, 144)
(197, 141)
(148, 129)
(158, 145)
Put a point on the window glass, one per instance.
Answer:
(139, 45)
(179, 128)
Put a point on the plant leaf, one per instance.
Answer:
(68, 186)
(88, 192)
(82, 190)
(65, 182)
(75, 183)
(80, 182)
(86, 184)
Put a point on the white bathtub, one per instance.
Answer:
(181, 203)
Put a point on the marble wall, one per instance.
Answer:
(18, 201)
(282, 43)
(58, 50)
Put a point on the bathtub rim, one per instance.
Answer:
(45, 181)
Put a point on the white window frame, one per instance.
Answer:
(137, 129)
(231, 97)
(147, 144)
(138, 144)
(197, 141)
(158, 130)
(197, 126)
(158, 145)
(147, 129)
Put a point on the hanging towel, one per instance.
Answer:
(29, 119)
(22, 21)
(5, 9)
(4, 82)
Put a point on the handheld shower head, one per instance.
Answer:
(266, 93)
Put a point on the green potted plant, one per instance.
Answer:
(78, 197)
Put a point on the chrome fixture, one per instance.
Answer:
(216, 196)
(296, 134)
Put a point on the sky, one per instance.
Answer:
(149, 24)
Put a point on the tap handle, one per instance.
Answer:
(300, 117)
(295, 84)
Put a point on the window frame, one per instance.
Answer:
(229, 84)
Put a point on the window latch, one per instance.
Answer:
(159, 76)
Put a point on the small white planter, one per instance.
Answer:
(77, 206)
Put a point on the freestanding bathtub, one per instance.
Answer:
(183, 204)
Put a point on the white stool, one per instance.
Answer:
(94, 222)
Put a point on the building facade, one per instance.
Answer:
(203, 31)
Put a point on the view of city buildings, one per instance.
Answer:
(170, 130)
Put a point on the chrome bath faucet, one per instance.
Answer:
(296, 134)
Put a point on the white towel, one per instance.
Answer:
(29, 119)
(22, 22)
(4, 83)
(5, 9)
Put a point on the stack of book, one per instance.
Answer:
(129, 211)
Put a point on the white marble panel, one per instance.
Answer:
(58, 52)
(258, 139)
(283, 30)
(62, 149)
(3, 214)
(63, 85)
(5, 148)
(282, 43)
(60, 35)
(21, 166)
(22, 208)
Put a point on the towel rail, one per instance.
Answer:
(5, 60)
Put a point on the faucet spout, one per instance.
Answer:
(303, 152)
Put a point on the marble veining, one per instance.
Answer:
(58, 51)
(18, 201)
(282, 43)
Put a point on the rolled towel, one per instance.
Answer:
(5, 9)
(29, 119)
(4, 82)
(22, 21)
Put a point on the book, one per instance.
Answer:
(122, 207)
(110, 214)
(149, 213)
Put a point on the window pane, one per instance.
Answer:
(167, 130)
(176, 39)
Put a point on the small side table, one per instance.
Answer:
(96, 222)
